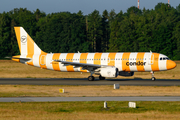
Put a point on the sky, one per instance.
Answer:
(73, 6)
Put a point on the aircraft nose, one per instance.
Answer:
(170, 64)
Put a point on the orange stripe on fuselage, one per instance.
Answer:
(30, 50)
(155, 65)
(17, 30)
(125, 58)
(83, 59)
(111, 57)
(69, 58)
(140, 57)
(56, 64)
(97, 58)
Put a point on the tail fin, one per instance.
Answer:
(26, 44)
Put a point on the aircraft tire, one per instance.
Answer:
(91, 78)
(153, 78)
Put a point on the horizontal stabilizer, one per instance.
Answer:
(22, 60)
(26, 59)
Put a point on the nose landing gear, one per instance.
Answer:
(153, 78)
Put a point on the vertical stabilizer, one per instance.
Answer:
(26, 44)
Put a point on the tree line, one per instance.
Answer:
(136, 30)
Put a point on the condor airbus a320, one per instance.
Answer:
(103, 64)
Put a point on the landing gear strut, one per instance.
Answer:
(91, 78)
(101, 78)
(153, 78)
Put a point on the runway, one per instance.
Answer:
(84, 81)
(71, 99)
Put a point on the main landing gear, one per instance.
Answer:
(91, 78)
(153, 78)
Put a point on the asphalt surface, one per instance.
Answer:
(84, 81)
(70, 99)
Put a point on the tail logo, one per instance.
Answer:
(23, 39)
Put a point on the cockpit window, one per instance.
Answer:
(164, 58)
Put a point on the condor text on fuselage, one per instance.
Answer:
(139, 63)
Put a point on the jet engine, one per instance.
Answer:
(109, 72)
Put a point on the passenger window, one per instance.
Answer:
(164, 58)
(161, 58)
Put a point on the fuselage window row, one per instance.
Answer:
(105, 59)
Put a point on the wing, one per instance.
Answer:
(85, 66)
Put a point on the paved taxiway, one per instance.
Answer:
(84, 81)
(68, 99)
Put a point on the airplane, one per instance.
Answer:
(103, 64)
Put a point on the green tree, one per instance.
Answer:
(95, 32)
(5, 35)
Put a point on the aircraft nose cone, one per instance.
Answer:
(170, 64)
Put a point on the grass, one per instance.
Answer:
(11, 69)
(85, 91)
(90, 110)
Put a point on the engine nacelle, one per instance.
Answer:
(109, 72)
(122, 73)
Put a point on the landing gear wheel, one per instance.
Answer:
(91, 78)
(153, 78)
(101, 78)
